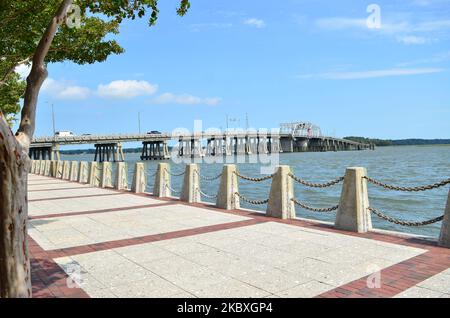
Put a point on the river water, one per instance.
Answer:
(403, 165)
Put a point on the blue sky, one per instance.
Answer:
(278, 61)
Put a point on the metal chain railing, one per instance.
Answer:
(403, 222)
(254, 179)
(254, 202)
(175, 174)
(150, 175)
(408, 189)
(209, 196)
(207, 178)
(316, 185)
(172, 189)
(307, 207)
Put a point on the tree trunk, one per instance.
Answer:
(15, 279)
(15, 276)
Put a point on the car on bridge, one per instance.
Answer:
(154, 132)
(64, 134)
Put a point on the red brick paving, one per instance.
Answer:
(48, 216)
(49, 279)
(75, 197)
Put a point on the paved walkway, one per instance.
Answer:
(117, 244)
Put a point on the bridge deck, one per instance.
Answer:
(127, 245)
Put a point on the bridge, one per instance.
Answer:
(291, 137)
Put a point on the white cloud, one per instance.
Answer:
(254, 22)
(126, 89)
(64, 90)
(371, 74)
(413, 40)
(23, 70)
(400, 29)
(185, 99)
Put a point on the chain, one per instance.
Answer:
(316, 185)
(206, 178)
(207, 195)
(403, 222)
(254, 179)
(174, 174)
(152, 175)
(255, 202)
(408, 189)
(172, 189)
(306, 207)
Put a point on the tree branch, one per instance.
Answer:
(37, 76)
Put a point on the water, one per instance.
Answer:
(405, 166)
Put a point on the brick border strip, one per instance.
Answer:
(48, 280)
(396, 278)
(75, 197)
(49, 216)
(149, 238)
(61, 189)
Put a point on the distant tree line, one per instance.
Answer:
(398, 142)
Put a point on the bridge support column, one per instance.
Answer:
(155, 150)
(109, 152)
(121, 176)
(139, 180)
(83, 174)
(106, 175)
(66, 170)
(190, 191)
(280, 204)
(94, 178)
(161, 188)
(353, 213)
(55, 155)
(226, 196)
(74, 171)
(444, 237)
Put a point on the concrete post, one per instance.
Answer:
(280, 203)
(42, 167)
(121, 176)
(226, 197)
(190, 192)
(59, 169)
(32, 166)
(94, 179)
(53, 168)
(444, 237)
(35, 166)
(83, 174)
(47, 168)
(353, 213)
(106, 175)
(161, 188)
(74, 167)
(139, 179)
(66, 170)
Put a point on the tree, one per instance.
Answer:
(10, 93)
(37, 32)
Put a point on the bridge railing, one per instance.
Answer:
(353, 211)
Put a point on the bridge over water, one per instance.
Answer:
(291, 137)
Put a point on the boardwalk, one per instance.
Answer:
(128, 245)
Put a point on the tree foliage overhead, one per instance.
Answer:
(23, 23)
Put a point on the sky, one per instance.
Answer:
(337, 64)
